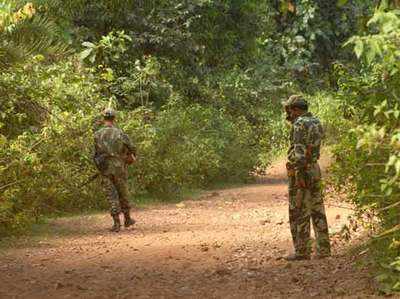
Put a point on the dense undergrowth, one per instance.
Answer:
(198, 86)
(368, 157)
(362, 118)
(191, 98)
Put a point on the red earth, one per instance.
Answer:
(226, 244)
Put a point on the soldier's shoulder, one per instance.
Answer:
(301, 121)
(306, 120)
(315, 120)
(107, 131)
(117, 132)
(99, 131)
(115, 129)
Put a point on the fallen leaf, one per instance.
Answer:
(222, 271)
(79, 287)
(264, 222)
(204, 247)
(236, 216)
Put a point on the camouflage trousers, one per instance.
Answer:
(117, 194)
(311, 208)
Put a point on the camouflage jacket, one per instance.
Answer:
(305, 141)
(113, 145)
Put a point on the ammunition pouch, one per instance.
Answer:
(100, 160)
(291, 173)
(290, 170)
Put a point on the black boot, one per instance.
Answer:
(117, 224)
(128, 220)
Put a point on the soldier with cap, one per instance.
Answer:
(113, 153)
(305, 194)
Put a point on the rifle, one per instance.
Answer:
(91, 179)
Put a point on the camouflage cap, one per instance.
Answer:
(296, 101)
(109, 113)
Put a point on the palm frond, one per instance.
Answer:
(38, 36)
(30, 36)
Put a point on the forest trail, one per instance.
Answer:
(226, 244)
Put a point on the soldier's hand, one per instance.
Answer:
(291, 172)
(299, 198)
(130, 159)
(301, 183)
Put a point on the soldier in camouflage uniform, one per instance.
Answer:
(305, 194)
(113, 152)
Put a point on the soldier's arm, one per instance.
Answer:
(299, 158)
(126, 140)
(96, 150)
(96, 147)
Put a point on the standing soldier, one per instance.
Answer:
(113, 152)
(305, 194)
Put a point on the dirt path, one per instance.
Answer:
(224, 245)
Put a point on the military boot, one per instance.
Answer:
(128, 220)
(117, 224)
(322, 255)
(296, 257)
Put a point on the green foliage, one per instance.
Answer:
(189, 147)
(309, 36)
(44, 152)
(188, 78)
(24, 33)
(367, 155)
(330, 109)
(132, 83)
(198, 86)
(373, 94)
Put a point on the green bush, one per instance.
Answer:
(186, 147)
(330, 109)
(45, 154)
(198, 87)
(46, 144)
(367, 145)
